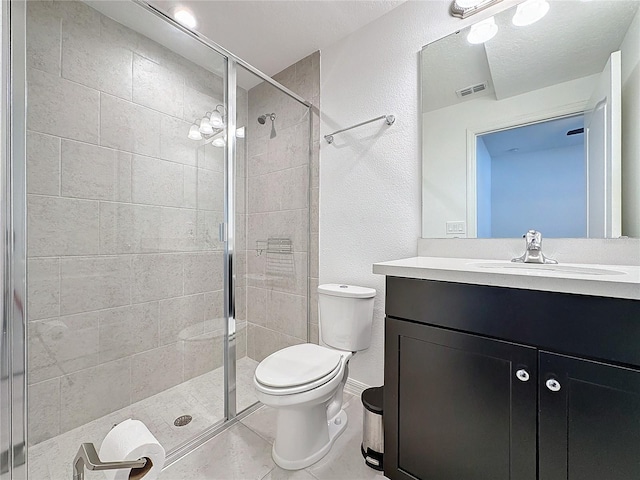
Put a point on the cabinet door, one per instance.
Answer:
(458, 406)
(589, 420)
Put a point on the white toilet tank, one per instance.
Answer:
(345, 314)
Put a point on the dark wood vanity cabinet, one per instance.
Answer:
(473, 391)
(590, 428)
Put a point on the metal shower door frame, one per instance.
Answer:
(13, 359)
(13, 221)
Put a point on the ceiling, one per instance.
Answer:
(271, 35)
(535, 137)
(573, 40)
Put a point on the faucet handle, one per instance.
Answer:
(533, 240)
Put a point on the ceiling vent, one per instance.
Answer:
(465, 92)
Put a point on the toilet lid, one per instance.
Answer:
(297, 365)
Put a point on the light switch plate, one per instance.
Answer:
(456, 228)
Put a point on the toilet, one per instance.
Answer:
(305, 382)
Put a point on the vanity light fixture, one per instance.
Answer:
(465, 8)
(218, 142)
(194, 132)
(185, 17)
(483, 31)
(205, 126)
(530, 12)
(217, 117)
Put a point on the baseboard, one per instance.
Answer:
(355, 387)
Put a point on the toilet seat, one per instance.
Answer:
(297, 369)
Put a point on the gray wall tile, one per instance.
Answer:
(210, 190)
(157, 87)
(85, 55)
(44, 409)
(43, 288)
(202, 354)
(128, 330)
(287, 313)
(50, 110)
(92, 283)
(95, 172)
(62, 345)
(180, 318)
(62, 226)
(43, 164)
(155, 371)
(94, 392)
(203, 272)
(156, 277)
(197, 104)
(174, 143)
(157, 182)
(129, 127)
(43, 27)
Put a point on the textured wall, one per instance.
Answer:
(370, 179)
(278, 195)
(125, 267)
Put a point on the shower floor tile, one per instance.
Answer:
(243, 452)
(200, 397)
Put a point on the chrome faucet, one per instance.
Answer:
(88, 457)
(533, 253)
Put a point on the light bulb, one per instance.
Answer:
(194, 133)
(530, 12)
(218, 142)
(483, 31)
(185, 17)
(216, 119)
(240, 132)
(205, 126)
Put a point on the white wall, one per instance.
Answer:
(370, 178)
(543, 190)
(445, 137)
(483, 179)
(630, 139)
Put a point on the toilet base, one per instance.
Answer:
(335, 427)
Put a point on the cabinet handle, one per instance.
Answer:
(522, 375)
(553, 385)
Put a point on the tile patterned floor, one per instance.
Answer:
(200, 397)
(243, 452)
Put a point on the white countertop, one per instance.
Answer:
(618, 281)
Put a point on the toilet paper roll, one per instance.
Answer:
(131, 440)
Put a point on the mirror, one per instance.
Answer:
(536, 127)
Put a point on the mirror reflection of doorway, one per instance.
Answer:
(532, 176)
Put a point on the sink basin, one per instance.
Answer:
(546, 267)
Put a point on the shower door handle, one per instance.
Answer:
(222, 232)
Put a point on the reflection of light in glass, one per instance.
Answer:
(216, 117)
(194, 133)
(530, 12)
(483, 31)
(205, 126)
(185, 17)
(240, 132)
(218, 142)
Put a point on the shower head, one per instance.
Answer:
(262, 119)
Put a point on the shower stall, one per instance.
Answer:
(157, 235)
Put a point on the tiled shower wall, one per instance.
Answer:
(279, 195)
(124, 264)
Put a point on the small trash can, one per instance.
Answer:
(372, 428)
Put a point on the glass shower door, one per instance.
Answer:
(126, 182)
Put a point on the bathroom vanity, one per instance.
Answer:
(500, 372)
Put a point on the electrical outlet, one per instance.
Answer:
(456, 228)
